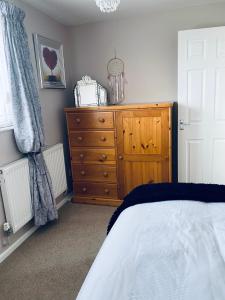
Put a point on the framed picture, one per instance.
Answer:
(50, 63)
(88, 92)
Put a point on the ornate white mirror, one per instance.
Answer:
(88, 92)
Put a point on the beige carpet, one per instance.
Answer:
(52, 264)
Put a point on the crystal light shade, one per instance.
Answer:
(107, 5)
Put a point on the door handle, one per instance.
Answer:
(182, 124)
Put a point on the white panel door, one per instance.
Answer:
(201, 105)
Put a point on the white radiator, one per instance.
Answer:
(16, 193)
(15, 187)
(54, 158)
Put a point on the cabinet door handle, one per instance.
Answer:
(105, 174)
(82, 173)
(80, 138)
(103, 139)
(106, 191)
(120, 157)
(81, 156)
(78, 120)
(84, 189)
(101, 120)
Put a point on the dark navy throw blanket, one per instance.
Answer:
(149, 193)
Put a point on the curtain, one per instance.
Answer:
(27, 118)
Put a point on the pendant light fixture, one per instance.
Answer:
(107, 6)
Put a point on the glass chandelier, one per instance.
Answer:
(107, 5)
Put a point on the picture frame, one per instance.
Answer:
(88, 92)
(50, 62)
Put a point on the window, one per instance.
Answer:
(5, 95)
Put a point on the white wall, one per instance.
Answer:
(148, 46)
(52, 101)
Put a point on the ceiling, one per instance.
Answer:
(76, 12)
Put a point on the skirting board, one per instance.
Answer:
(27, 234)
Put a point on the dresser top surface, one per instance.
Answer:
(120, 107)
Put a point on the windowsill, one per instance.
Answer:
(6, 128)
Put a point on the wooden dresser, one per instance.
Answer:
(115, 148)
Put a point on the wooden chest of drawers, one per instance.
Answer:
(115, 148)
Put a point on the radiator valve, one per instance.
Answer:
(7, 227)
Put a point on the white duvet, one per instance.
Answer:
(162, 251)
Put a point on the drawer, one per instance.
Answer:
(83, 155)
(100, 173)
(92, 138)
(105, 190)
(92, 120)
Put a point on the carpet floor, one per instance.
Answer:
(53, 262)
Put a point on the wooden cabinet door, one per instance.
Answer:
(143, 148)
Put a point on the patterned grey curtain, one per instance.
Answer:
(28, 125)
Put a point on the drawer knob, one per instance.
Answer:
(78, 121)
(80, 138)
(101, 120)
(81, 156)
(105, 174)
(103, 157)
(103, 139)
(106, 191)
(120, 157)
(84, 189)
(82, 173)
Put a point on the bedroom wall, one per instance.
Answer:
(52, 101)
(148, 46)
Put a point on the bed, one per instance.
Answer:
(162, 250)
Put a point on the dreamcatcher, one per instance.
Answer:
(116, 80)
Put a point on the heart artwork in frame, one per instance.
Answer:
(50, 62)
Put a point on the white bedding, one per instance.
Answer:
(162, 251)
